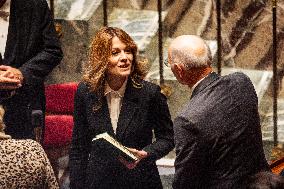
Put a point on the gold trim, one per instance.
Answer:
(166, 90)
(58, 29)
(274, 3)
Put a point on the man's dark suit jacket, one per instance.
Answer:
(33, 47)
(217, 136)
(143, 110)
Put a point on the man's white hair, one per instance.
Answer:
(183, 51)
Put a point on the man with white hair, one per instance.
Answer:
(217, 134)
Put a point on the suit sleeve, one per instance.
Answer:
(160, 119)
(80, 146)
(39, 66)
(190, 155)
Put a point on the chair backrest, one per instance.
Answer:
(60, 98)
(59, 114)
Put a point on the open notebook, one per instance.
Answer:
(115, 149)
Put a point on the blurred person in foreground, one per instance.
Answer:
(23, 163)
(114, 98)
(29, 50)
(217, 134)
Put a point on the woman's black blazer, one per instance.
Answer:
(144, 110)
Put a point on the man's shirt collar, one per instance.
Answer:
(199, 81)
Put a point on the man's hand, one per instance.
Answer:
(141, 154)
(8, 83)
(12, 73)
(10, 78)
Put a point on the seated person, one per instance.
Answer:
(24, 163)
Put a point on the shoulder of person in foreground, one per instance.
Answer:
(31, 155)
(39, 154)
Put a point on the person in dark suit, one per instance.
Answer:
(31, 50)
(217, 134)
(114, 98)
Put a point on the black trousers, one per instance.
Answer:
(18, 121)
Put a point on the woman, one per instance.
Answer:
(113, 98)
(23, 163)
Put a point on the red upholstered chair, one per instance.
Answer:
(58, 121)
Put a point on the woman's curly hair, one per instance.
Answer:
(94, 73)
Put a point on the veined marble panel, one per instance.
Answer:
(75, 9)
(141, 25)
(79, 20)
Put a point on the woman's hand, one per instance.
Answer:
(141, 154)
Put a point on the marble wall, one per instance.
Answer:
(246, 44)
(78, 21)
(246, 38)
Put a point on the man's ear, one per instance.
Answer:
(179, 70)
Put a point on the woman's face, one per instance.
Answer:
(120, 61)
